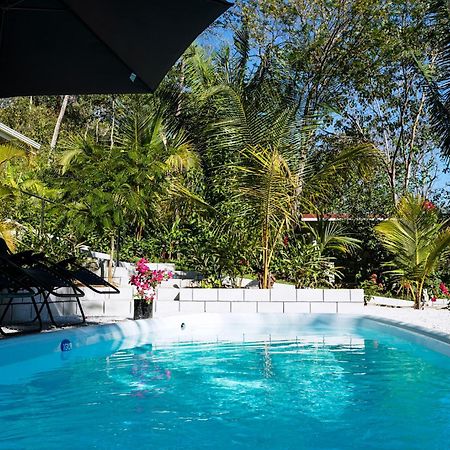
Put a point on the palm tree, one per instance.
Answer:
(308, 256)
(8, 152)
(437, 76)
(259, 165)
(417, 240)
(130, 181)
(271, 188)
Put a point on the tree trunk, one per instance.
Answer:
(111, 259)
(182, 81)
(57, 129)
(111, 145)
(264, 283)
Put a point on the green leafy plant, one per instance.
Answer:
(308, 257)
(418, 241)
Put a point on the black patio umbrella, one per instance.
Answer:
(52, 47)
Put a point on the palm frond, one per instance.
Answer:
(9, 152)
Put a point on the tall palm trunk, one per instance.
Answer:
(111, 259)
(57, 128)
(265, 281)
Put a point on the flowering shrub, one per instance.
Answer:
(146, 281)
(443, 288)
(428, 205)
(372, 287)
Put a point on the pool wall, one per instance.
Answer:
(44, 351)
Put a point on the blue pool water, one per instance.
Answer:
(369, 391)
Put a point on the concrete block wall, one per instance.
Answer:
(171, 301)
(116, 306)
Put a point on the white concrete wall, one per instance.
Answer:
(171, 301)
(116, 306)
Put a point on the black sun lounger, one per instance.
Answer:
(48, 280)
(86, 277)
(69, 268)
(14, 284)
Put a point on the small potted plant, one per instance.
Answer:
(146, 282)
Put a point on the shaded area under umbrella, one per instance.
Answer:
(52, 47)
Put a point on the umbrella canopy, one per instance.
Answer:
(50, 47)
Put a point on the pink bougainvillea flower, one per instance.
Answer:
(146, 281)
(443, 289)
(428, 205)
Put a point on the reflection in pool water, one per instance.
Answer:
(329, 392)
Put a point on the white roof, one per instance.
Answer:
(9, 134)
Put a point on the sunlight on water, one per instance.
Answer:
(313, 393)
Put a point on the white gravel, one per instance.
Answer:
(433, 319)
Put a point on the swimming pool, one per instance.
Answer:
(300, 382)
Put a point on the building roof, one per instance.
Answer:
(307, 217)
(9, 134)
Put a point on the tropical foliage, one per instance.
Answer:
(418, 240)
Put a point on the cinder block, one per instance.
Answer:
(166, 308)
(93, 296)
(125, 292)
(57, 308)
(92, 308)
(117, 308)
(297, 307)
(186, 283)
(324, 308)
(120, 272)
(336, 295)
(283, 295)
(168, 294)
(192, 307)
(357, 295)
(21, 312)
(70, 308)
(201, 294)
(350, 308)
(172, 283)
(231, 295)
(218, 307)
(310, 295)
(257, 295)
(185, 295)
(243, 307)
(7, 317)
(270, 307)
